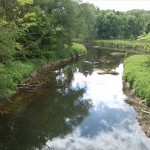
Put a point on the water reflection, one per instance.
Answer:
(88, 113)
(45, 118)
(117, 139)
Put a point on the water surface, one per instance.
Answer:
(88, 113)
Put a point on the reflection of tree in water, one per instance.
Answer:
(44, 120)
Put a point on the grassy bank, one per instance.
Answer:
(13, 73)
(136, 72)
(122, 45)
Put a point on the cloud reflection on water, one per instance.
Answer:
(117, 139)
(111, 124)
(102, 88)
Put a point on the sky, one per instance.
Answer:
(121, 5)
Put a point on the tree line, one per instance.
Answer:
(35, 28)
(123, 25)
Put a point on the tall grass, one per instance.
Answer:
(12, 74)
(136, 72)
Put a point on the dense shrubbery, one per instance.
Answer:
(136, 72)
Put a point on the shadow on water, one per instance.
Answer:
(88, 113)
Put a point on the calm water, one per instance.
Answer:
(89, 113)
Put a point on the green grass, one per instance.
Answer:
(122, 44)
(13, 73)
(136, 72)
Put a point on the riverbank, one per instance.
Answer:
(121, 45)
(136, 73)
(13, 73)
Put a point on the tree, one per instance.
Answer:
(7, 43)
(147, 28)
(133, 27)
(110, 25)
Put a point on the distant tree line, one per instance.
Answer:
(122, 25)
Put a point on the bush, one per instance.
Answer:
(70, 52)
(136, 72)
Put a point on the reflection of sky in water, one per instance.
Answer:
(102, 88)
(119, 139)
(111, 124)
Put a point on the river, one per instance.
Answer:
(88, 113)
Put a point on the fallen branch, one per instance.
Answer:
(145, 111)
(130, 101)
(28, 85)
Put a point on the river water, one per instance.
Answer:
(88, 113)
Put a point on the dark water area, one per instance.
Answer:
(88, 113)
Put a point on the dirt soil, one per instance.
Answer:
(143, 111)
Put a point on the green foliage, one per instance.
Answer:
(136, 72)
(133, 26)
(147, 28)
(129, 25)
(71, 52)
(12, 74)
(110, 26)
(78, 49)
(24, 2)
(7, 43)
(146, 38)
